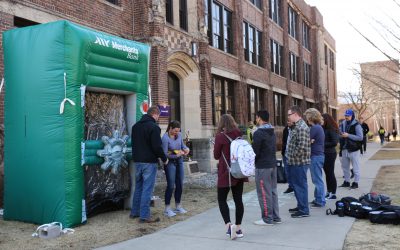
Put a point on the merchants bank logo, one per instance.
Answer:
(102, 42)
(133, 53)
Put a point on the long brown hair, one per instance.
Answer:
(226, 124)
(329, 122)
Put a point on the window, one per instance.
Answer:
(169, 11)
(296, 102)
(309, 105)
(252, 43)
(183, 14)
(274, 11)
(256, 101)
(306, 36)
(206, 13)
(276, 51)
(326, 54)
(331, 60)
(307, 75)
(257, 3)
(22, 22)
(223, 102)
(115, 2)
(220, 29)
(227, 31)
(174, 97)
(292, 23)
(293, 60)
(280, 110)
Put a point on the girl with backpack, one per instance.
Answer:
(227, 127)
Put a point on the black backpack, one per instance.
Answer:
(350, 206)
(386, 214)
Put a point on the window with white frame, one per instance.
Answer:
(276, 54)
(293, 60)
(274, 11)
(307, 75)
(292, 23)
(252, 44)
(306, 36)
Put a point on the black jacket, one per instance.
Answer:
(365, 128)
(285, 135)
(146, 141)
(331, 140)
(264, 141)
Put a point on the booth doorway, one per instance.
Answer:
(174, 97)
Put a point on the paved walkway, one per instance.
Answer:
(319, 231)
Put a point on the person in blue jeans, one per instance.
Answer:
(146, 150)
(317, 139)
(175, 149)
(298, 152)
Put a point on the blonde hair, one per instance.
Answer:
(313, 115)
(226, 124)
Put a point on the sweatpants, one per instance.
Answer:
(266, 186)
(352, 158)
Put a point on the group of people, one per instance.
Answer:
(384, 134)
(308, 143)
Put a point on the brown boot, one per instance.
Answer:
(149, 220)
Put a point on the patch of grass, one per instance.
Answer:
(364, 234)
(395, 144)
(386, 155)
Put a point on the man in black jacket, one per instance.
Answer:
(265, 175)
(285, 137)
(365, 129)
(146, 149)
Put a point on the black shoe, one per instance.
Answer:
(354, 185)
(293, 210)
(133, 216)
(331, 196)
(288, 190)
(149, 220)
(352, 174)
(345, 184)
(299, 214)
(316, 205)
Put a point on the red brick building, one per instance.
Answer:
(211, 57)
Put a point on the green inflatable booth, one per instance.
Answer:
(48, 70)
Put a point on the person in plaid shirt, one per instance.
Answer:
(298, 155)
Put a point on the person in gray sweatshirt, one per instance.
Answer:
(266, 174)
(351, 137)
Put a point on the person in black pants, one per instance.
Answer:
(365, 129)
(331, 130)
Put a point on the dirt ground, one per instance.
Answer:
(112, 227)
(386, 155)
(364, 234)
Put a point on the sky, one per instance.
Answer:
(352, 48)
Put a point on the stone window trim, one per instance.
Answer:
(118, 7)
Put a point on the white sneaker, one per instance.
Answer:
(262, 223)
(233, 232)
(169, 213)
(180, 210)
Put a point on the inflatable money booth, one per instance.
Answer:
(72, 95)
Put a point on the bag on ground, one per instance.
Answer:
(386, 214)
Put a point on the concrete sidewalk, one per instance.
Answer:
(319, 231)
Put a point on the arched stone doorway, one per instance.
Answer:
(182, 67)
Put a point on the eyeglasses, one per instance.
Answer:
(290, 114)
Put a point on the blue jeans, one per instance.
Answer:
(145, 178)
(299, 180)
(317, 165)
(286, 167)
(174, 173)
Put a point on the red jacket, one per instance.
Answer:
(222, 144)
